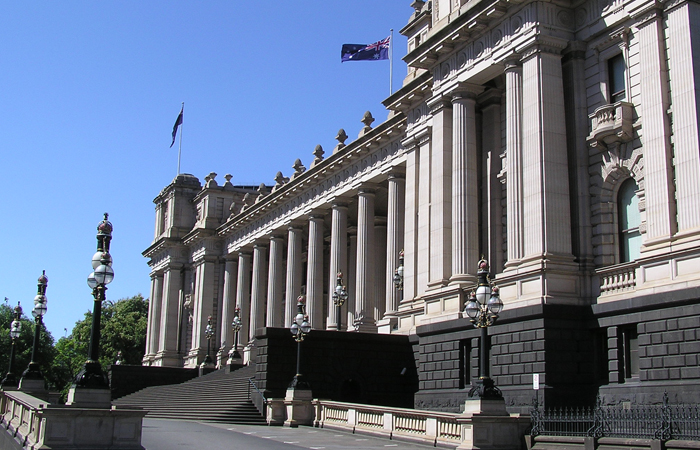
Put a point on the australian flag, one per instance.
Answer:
(362, 52)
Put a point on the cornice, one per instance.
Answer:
(414, 92)
(355, 151)
(468, 24)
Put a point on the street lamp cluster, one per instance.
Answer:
(300, 328)
(32, 378)
(10, 379)
(340, 296)
(91, 375)
(236, 325)
(398, 274)
(209, 334)
(482, 309)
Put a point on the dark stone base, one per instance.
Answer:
(375, 369)
(126, 379)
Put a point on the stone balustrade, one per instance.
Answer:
(396, 423)
(618, 278)
(429, 427)
(31, 423)
(612, 123)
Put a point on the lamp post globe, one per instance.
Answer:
(300, 328)
(340, 296)
(32, 378)
(208, 334)
(10, 380)
(91, 375)
(482, 309)
(236, 326)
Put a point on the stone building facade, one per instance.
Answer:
(558, 139)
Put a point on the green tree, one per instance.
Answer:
(122, 328)
(23, 347)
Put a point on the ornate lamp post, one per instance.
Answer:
(91, 375)
(483, 308)
(236, 326)
(340, 295)
(32, 378)
(300, 328)
(398, 275)
(208, 333)
(10, 380)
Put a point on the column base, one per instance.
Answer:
(387, 325)
(365, 326)
(464, 280)
(249, 354)
(166, 359)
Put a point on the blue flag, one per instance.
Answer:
(362, 52)
(178, 122)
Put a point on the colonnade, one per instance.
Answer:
(264, 278)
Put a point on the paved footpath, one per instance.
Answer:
(161, 434)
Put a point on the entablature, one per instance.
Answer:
(363, 160)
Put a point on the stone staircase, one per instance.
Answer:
(215, 397)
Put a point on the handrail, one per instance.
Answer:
(252, 383)
(259, 405)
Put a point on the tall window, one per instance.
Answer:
(629, 367)
(464, 363)
(629, 219)
(600, 355)
(616, 78)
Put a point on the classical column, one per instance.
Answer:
(380, 273)
(169, 315)
(157, 319)
(514, 180)
(492, 195)
(682, 46)
(338, 256)
(275, 283)
(294, 273)
(653, 92)
(350, 279)
(440, 252)
(578, 122)
(243, 286)
(423, 236)
(396, 203)
(227, 310)
(546, 207)
(314, 272)
(465, 189)
(257, 298)
(205, 305)
(364, 287)
(148, 355)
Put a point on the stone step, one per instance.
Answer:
(215, 397)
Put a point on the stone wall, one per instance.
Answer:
(375, 369)
(127, 379)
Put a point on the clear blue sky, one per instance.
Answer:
(89, 92)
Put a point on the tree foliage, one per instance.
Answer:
(122, 328)
(23, 347)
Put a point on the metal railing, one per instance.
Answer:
(663, 422)
(259, 401)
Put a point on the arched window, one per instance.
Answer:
(629, 219)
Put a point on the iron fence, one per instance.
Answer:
(662, 421)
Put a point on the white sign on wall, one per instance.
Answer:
(536, 381)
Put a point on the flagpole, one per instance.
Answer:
(391, 62)
(179, 150)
